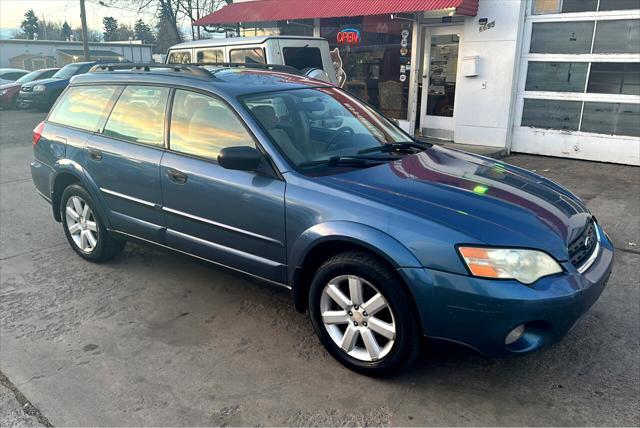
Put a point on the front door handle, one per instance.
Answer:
(95, 154)
(176, 176)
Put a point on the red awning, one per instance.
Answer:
(280, 10)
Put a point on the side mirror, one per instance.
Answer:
(242, 158)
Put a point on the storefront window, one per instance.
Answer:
(372, 57)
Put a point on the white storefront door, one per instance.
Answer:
(439, 77)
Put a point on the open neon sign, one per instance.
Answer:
(348, 36)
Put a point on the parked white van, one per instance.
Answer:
(307, 54)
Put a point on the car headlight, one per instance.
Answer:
(526, 266)
(4, 91)
(39, 88)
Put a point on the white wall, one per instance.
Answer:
(10, 49)
(482, 115)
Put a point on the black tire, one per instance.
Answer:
(408, 334)
(106, 247)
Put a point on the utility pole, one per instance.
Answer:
(44, 26)
(85, 35)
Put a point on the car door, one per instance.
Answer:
(234, 218)
(124, 161)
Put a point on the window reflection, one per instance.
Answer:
(84, 107)
(139, 115)
(202, 126)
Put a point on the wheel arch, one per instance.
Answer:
(325, 240)
(69, 172)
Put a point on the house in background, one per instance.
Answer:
(37, 54)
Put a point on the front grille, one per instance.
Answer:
(583, 247)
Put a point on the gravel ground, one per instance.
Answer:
(155, 338)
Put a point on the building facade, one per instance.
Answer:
(37, 54)
(550, 77)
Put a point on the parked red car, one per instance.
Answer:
(9, 92)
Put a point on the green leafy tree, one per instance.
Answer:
(30, 24)
(143, 32)
(66, 31)
(110, 25)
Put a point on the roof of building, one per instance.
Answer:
(92, 52)
(280, 10)
(72, 44)
(29, 56)
(233, 41)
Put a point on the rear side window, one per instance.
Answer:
(13, 75)
(183, 57)
(138, 116)
(85, 107)
(251, 56)
(203, 125)
(211, 55)
(302, 57)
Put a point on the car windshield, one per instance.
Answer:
(313, 125)
(30, 76)
(68, 71)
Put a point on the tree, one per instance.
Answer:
(124, 32)
(143, 32)
(30, 24)
(165, 35)
(65, 32)
(110, 25)
(93, 36)
(174, 14)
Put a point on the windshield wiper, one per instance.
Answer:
(396, 147)
(355, 161)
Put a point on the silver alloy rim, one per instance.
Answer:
(81, 224)
(358, 318)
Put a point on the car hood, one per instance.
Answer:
(9, 86)
(50, 83)
(485, 199)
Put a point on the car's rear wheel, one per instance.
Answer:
(363, 314)
(84, 228)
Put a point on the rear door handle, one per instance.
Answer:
(176, 176)
(95, 154)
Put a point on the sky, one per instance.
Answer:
(12, 12)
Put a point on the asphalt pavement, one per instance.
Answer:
(157, 338)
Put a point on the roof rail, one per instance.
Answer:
(272, 67)
(148, 66)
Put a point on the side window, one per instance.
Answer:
(202, 126)
(252, 55)
(139, 115)
(180, 57)
(85, 107)
(210, 55)
(302, 57)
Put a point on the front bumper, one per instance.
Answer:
(29, 99)
(480, 313)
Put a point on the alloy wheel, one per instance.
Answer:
(358, 318)
(81, 224)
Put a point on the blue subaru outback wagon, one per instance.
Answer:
(381, 238)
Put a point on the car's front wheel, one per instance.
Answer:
(363, 314)
(84, 228)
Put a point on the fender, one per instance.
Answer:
(368, 237)
(68, 166)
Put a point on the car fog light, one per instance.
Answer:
(514, 335)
